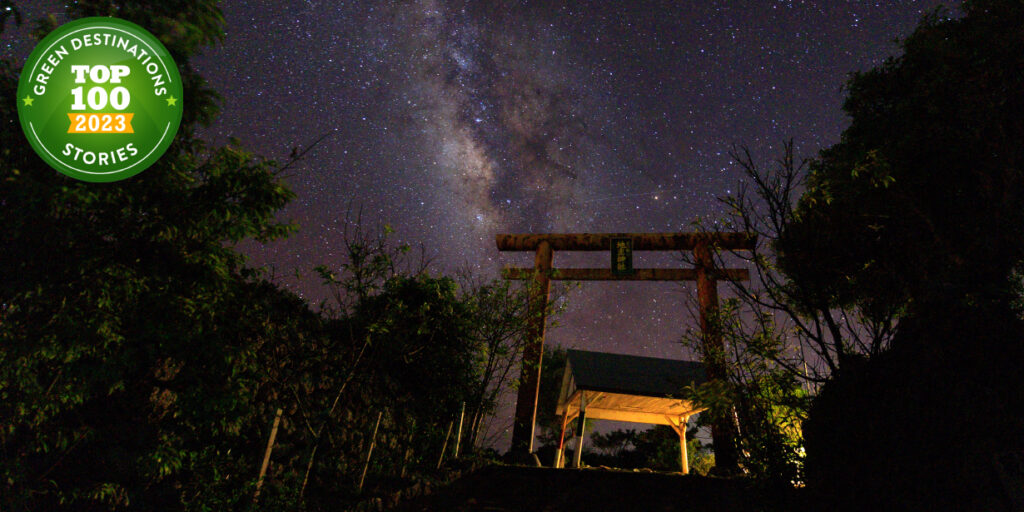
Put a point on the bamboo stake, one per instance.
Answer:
(458, 437)
(445, 445)
(266, 454)
(474, 429)
(330, 412)
(369, 453)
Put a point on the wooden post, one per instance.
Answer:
(529, 389)
(684, 463)
(266, 454)
(580, 430)
(474, 429)
(369, 453)
(445, 445)
(683, 456)
(723, 429)
(561, 439)
(458, 437)
(678, 424)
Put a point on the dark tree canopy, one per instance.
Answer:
(919, 209)
(129, 326)
(142, 360)
(924, 194)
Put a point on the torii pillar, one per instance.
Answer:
(723, 428)
(533, 353)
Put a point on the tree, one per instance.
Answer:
(500, 326)
(399, 343)
(129, 325)
(896, 272)
(780, 316)
(918, 209)
(921, 197)
(760, 385)
(780, 337)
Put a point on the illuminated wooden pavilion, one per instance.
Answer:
(604, 386)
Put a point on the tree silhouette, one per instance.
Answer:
(917, 210)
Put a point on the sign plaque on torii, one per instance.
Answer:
(704, 273)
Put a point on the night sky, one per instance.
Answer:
(454, 121)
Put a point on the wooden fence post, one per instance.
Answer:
(266, 454)
(458, 437)
(369, 453)
(445, 445)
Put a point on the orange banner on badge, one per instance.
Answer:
(101, 123)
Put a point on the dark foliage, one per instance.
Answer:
(921, 207)
(142, 362)
(938, 429)
(924, 195)
(129, 327)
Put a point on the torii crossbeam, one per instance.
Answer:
(704, 273)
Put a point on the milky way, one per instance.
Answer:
(454, 121)
(506, 126)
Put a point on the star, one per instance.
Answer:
(28, 100)
(172, 101)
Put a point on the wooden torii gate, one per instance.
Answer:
(723, 430)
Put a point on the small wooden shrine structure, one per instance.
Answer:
(604, 386)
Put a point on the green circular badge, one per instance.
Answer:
(100, 99)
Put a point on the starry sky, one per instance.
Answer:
(453, 121)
